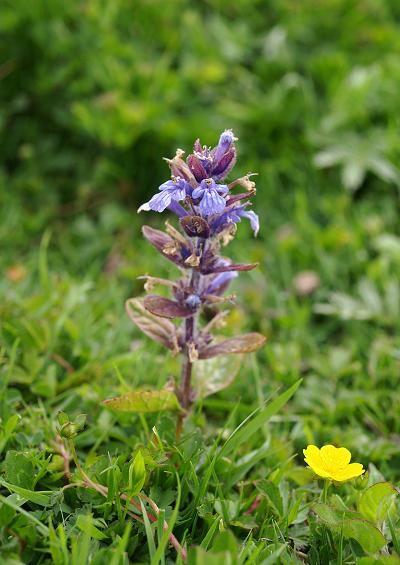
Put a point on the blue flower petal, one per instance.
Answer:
(158, 203)
(254, 221)
(198, 192)
(171, 190)
(221, 188)
(211, 203)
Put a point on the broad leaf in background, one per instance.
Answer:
(370, 303)
(358, 155)
(377, 501)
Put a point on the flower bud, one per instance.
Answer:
(195, 226)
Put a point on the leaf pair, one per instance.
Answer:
(151, 316)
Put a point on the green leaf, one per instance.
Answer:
(212, 375)
(253, 423)
(383, 560)
(376, 501)
(225, 541)
(19, 469)
(28, 515)
(43, 498)
(8, 430)
(7, 513)
(273, 494)
(137, 475)
(144, 401)
(85, 523)
(200, 557)
(352, 526)
(149, 532)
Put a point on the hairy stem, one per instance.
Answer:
(186, 384)
(186, 396)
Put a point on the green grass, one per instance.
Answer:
(67, 344)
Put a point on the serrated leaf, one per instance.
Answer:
(161, 330)
(144, 401)
(241, 344)
(376, 501)
(352, 526)
(212, 375)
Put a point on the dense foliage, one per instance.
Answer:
(92, 95)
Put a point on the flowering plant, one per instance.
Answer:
(332, 463)
(208, 211)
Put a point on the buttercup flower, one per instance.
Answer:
(332, 463)
(170, 191)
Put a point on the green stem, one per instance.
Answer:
(324, 493)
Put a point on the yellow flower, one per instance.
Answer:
(332, 463)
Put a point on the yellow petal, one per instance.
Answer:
(321, 472)
(312, 456)
(350, 472)
(335, 457)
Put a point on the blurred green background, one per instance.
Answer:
(93, 94)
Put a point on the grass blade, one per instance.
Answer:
(254, 422)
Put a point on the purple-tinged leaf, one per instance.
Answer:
(161, 330)
(208, 269)
(165, 244)
(225, 165)
(197, 168)
(237, 197)
(166, 308)
(242, 344)
(195, 226)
